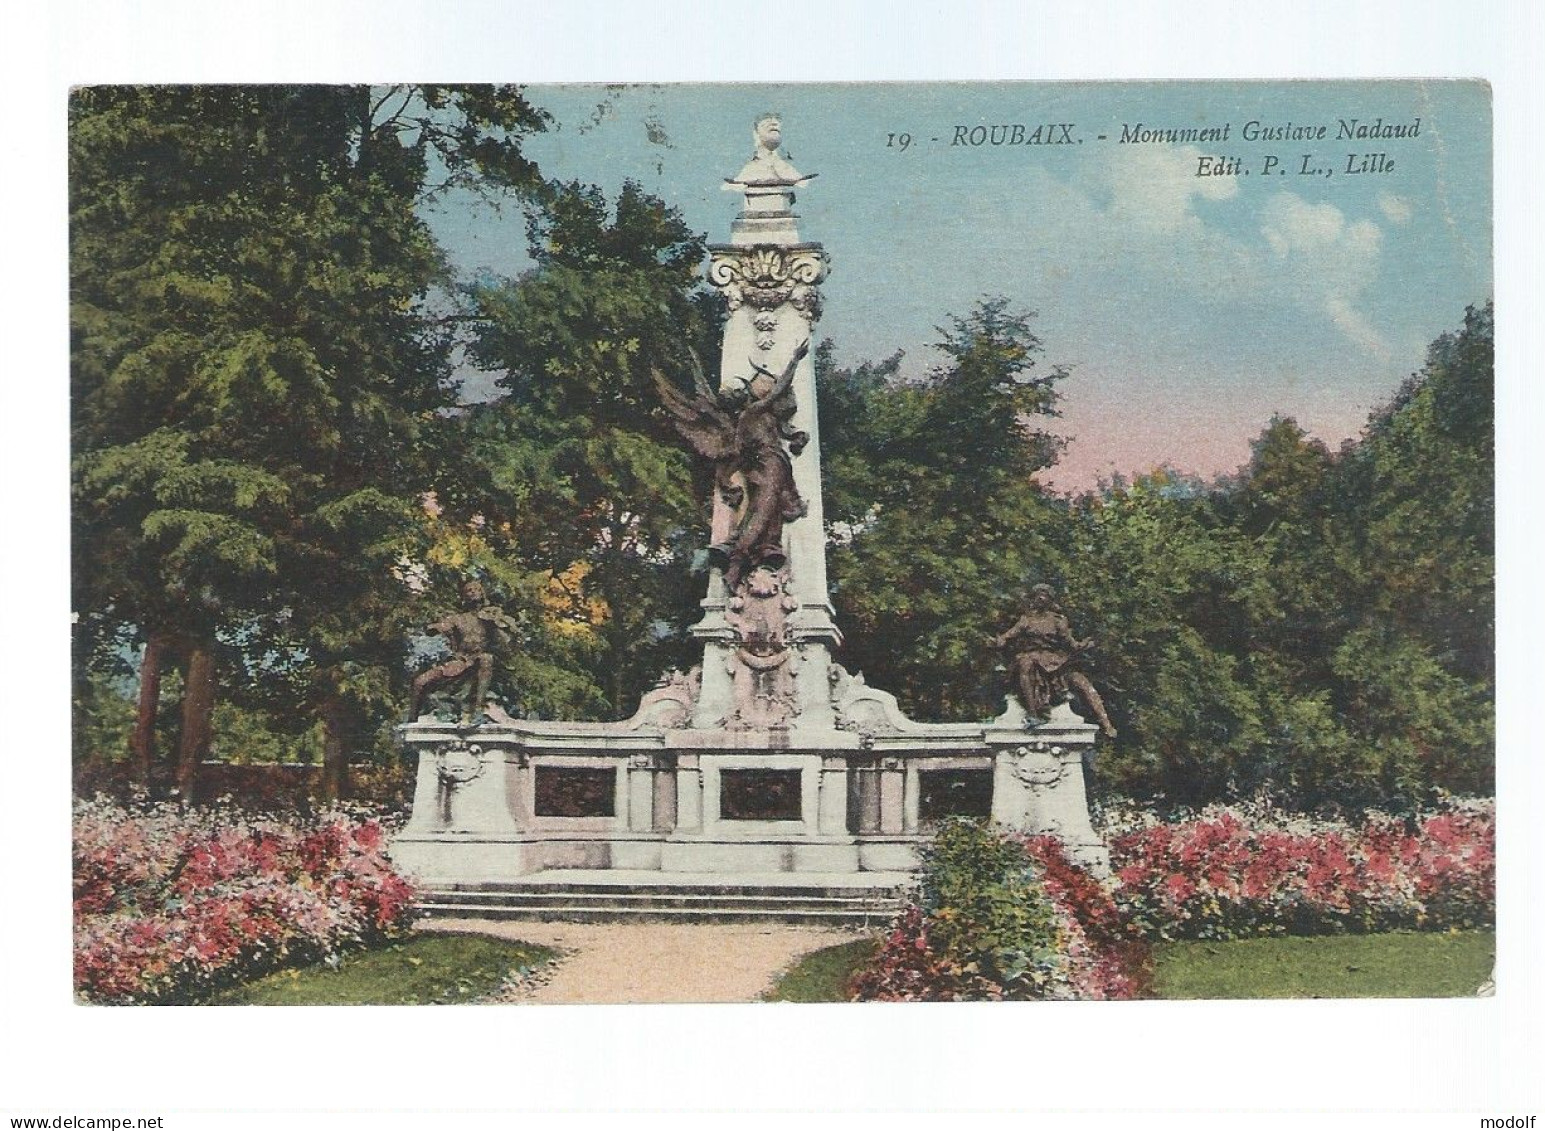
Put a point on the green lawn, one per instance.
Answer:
(1344, 966)
(1333, 966)
(419, 970)
(822, 974)
(447, 969)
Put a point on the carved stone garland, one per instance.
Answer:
(459, 762)
(761, 671)
(1039, 764)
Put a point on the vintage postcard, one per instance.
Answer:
(683, 543)
(875, 542)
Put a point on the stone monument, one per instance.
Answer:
(769, 758)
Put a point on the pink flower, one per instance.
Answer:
(193, 900)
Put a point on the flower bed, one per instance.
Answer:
(170, 906)
(1241, 871)
(1002, 917)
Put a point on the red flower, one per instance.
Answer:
(185, 908)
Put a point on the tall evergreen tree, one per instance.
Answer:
(256, 371)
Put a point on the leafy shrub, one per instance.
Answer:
(170, 906)
(1108, 953)
(1242, 871)
(1003, 918)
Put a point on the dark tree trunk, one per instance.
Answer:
(198, 705)
(619, 708)
(337, 736)
(617, 641)
(143, 743)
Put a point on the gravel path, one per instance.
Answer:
(625, 963)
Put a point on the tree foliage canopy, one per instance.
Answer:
(575, 465)
(937, 519)
(1318, 626)
(257, 371)
(270, 464)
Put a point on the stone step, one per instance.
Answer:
(837, 917)
(730, 891)
(864, 899)
(581, 900)
(612, 879)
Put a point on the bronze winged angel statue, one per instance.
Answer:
(744, 433)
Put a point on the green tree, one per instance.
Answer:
(1417, 525)
(1318, 627)
(1281, 503)
(257, 370)
(575, 466)
(1164, 588)
(1414, 536)
(920, 579)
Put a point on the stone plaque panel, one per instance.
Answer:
(759, 795)
(575, 791)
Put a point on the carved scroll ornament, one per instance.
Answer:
(767, 276)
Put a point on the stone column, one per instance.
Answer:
(911, 800)
(810, 795)
(771, 289)
(689, 794)
(866, 784)
(892, 795)
(520, 785)
(641, 773)
(664, 807)
(770, 279)
(834, 796)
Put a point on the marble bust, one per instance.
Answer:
(767, 169)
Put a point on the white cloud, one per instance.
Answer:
(1153, 188)
(1143, 217)
(1149, 224)
(1292, 226)
(1396, 209)
(1355, 326)
(1327, 262)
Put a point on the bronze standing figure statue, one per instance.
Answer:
(753, 472)
(1043, 659)
(475, 635)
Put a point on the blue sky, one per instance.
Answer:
(1189, 308)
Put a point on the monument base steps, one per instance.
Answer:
(868, 899)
